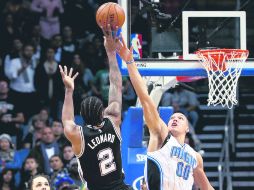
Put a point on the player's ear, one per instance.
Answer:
(188, 130)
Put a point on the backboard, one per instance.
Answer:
(172, 30)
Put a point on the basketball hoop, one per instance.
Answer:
(223, 67)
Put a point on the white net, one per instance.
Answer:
(223, 68)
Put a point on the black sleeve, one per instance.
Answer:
(153, 175)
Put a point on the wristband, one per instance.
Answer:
(130, 62)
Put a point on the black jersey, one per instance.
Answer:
(100, 163)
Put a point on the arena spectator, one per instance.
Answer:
(57, 129)
(101, 81)
(85, 78)
(58, 171)
(49, 11)
(7, 180)
(98, 44)
(70, 46)
(6, 150)
(84, 82)
(76, 9)
(21, 75)
(14, 53)
(38, 42)
(9, 32)
(68, 154)
(39, 182)
(56, 42)
(44, 115)
(47, 148)
(11, 118)
(48, 83)
(73, 171)
(30, 168)
(19, 11)
(64, 182)
(90, 54)
(34, 134)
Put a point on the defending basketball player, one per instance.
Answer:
(171, 163)
(97, 144)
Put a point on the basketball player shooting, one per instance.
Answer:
(97, 143)
(171, 164)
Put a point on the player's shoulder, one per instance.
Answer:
(109, 121)
(192, 151)
(198, 155)
(167, 139)
(199, 159)
(109, 125)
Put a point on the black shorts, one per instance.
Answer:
(118, 187)
(124, 187)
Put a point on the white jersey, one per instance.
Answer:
(175, 164)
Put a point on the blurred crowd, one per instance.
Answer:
(36, 36)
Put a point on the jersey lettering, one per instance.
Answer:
(182, 170)
(183, 155)
(107, 137)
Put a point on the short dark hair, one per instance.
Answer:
(12, 182)
(91, 110)
(28, 44)
(50, 47)
(66, 144)
(31, 157)
(180, 113)
(57, 156)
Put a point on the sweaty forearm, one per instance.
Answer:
(68, 110)
(115, 78)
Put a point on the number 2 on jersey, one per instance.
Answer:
(107, 164)
(183, 171)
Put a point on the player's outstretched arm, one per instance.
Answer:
(199, 175)
(157, 127)
(115, 78)
(70, 130)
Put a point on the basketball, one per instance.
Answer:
(110, 13)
